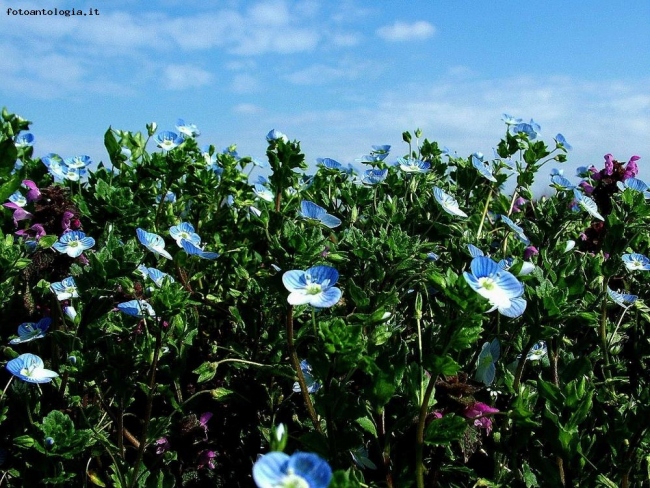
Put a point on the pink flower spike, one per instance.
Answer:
(609, 164)
(20, 214)
(631, 170)
(479, 409)
(586, 187)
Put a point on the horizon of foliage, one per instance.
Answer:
(168, 319)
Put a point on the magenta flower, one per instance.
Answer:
(203, 421)
(519, 202)
(36, 231)
(529, 252)
(586, 187)
(33, 193)
(206, 459)
(479, 411)
(609, 164)
(19, 212)
(162, 445)
(631, 170)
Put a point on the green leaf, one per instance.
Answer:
(366, 424)
(445, 430)
(206, 371)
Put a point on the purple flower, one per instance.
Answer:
(206, 459)
(33, 192)
(631, 170)
(479, 411)
(586, 187)
(19, 212)
(609, 164)
(162, 445)
(519, 202)
(66, 221)
(36, 231)
(529, 252)
(203, 422)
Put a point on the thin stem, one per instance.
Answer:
(296, 366)
(6, 387)
(419, 446)
(603, 330)
(485, 211)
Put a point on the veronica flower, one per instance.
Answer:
(526, 267)
(561, 183)
(275, 135)
(30, 368)
(587, 204)
(74, 243)
(329, 163)
(30, 331)
(537, 352)
(194, 250)
(65, 289)
(301, 469)
(189, 130)
(154, 275)
(500, 287)
(510, 120)
(531, 129)
(634, 184)
(519, 232)
(561, 142)
(153, 242)
(447, 202)
(77, 162)
(410, 165)
(311, 211)
(622, 299)
(25, 139)
(485, 168)
(136, 308)
(168, 140)
(486, 369)
(184, 230)
(374, 176)
(312, 385)
(636, 261)
(18, 199)
(314, 286)
(474, 251)
(263, 193)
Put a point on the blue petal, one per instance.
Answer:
(310, 210)
(474, 251)
(508, 283)
(294, 280)
(327, 298)
(483, 267)
(322, 274)
(516, 308)
(485, 373)
(270, 469)
(312, 468)
(330, 221)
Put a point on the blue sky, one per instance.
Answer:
(338, 75)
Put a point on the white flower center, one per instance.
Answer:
(28, 371)
(489, 289)
(293, 481)
(313, 289)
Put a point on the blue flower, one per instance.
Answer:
(55, 166)
(24, 140)
(194, 250)
(30, 331)
(153, 242)
(474, 251)
(276, 135)
(622, 299)
(561, 142)
(311, 211)
(487, 359)
(634, 184)
(189, 130)
(485, 168)
(329, 163)
(537, 352)
(65, 289)
(374, 176)
(500, 287)
(587, 204)
(510, 120)
(314, 286)
(519, 232)
(73, 174)
(636, 261)
(30, 368)
(410, 165)
(300, 470)
(154, 274)
(136, 308)
(447, 202)
(184, 230)
(170, 197)
(312, 385)
(561, 183)
(18, 198)
(168, 140)
(531, 130)
(77, 162)
(263, 193)
(74, 243)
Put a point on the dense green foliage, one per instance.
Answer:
(395, 358)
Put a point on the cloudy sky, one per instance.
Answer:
(338, 75)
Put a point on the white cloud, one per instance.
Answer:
(402, 31)
(244, 83)
(184, 76)
(247, 109)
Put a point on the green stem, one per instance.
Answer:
(485, 211)
(419, 441)
(301, 378)
(603, 330)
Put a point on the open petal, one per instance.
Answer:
(294, 280)
(330, 221)
(299, 298)
(327, 298)
(270, 469)
(312, 468)
(516, 308)
(323, 275)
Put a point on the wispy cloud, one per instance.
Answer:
(184, 76)
(403, 31)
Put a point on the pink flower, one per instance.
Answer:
(586, 187)
(529, 252)
(609, 164)
(162, 445)
(33, 192)
(631, 170)
(206, 459)
(36, 231)
(479, 411)
(519, 202)
(203, 421)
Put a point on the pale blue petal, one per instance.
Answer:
(294, 280)
(327, 298)
(482, 267)
(516, 308)
(508, 283)
(330, 221)
(310, 210)
(474, 251)
(323, 275)
(312, 468)
(270, 469)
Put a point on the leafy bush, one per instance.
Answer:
(168, 317)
